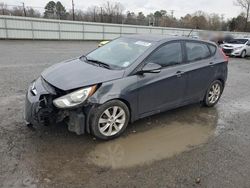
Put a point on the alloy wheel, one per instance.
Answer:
(112, 121)
(214, 93)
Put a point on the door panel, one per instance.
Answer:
(165, 89)
(199, 76)
(161, 91)
(199, 72)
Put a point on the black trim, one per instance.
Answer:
(216, 47)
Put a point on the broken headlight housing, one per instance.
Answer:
(75, 98)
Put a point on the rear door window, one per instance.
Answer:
(197, 51)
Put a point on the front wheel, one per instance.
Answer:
(109, 120)
(213, 94)
(243, 54)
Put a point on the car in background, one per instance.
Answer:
(237, 47)
(127, 79)
(102, 43)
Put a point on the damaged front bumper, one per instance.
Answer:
(39, 108)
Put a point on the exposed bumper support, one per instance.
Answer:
(39, 110)
(76, 122)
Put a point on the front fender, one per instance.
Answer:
(125, 89)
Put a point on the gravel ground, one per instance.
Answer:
(188, 147)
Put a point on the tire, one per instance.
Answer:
(243, 54)
(213, 93)
(109, 120)
(29, 125)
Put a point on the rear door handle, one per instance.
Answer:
(179, 73)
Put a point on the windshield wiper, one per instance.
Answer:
(100, 63)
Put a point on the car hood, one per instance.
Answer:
(76, 73)
(227, 45)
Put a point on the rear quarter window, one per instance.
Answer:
(212, 48)
(197, 51)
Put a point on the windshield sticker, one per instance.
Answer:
(142, 43)
(125, 64)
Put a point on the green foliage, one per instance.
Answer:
(55, 10)
(60, 10)
(49, 9)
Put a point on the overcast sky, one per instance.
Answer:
(181, 7)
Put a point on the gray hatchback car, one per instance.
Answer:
(127, 79)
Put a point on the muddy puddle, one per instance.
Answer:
(50, 151)
(167, 137)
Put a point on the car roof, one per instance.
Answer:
(151, 37)
(162, 38)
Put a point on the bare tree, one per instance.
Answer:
(17, 11)
(215, 21)
(199, 20)
(4, 9)
(113, 12)
(130, 18)
(93, 14)
(245, 5)
(186, 21)
(79, 15)
(32, 12)
(118, 10)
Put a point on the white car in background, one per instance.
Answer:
(237, 47)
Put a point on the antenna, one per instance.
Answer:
(190, 32)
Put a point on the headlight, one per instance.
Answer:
(238, 48)
(75, 98)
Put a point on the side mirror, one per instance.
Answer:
(151, 68)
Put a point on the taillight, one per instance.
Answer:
(226, 58)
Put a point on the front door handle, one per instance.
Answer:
(179, 73)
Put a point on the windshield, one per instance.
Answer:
(238, 41)
(120, 53)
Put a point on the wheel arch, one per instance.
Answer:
(221, 80)
(242, 53)
(217, 78)
(126, 102)
(91, 111)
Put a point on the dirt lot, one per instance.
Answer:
(188, 147)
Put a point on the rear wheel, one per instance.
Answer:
(213, 94)
(109, 120)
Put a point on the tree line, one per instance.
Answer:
(114, 12)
